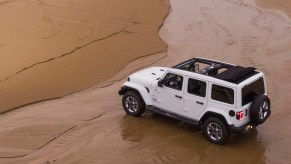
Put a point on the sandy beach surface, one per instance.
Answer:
(53, 48)
(91, 127)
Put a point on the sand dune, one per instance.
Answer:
(91, 126)
(53, 48)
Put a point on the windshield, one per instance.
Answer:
(249, 91)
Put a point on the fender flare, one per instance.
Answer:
(143, 91)
(212, 113)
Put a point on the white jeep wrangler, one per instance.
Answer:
(223, 98)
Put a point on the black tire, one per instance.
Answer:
(215, 131)
(260, 109)
(133, 104)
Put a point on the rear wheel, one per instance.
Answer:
(133, 103)
(215, 131)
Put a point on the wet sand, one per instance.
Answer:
(280, 5)
(54, 48)
(91, 126)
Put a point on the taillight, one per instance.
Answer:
(240, 115)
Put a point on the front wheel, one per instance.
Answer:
(133, 103)
(215, 131)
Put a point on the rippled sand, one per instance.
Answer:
(91, 126)
(53, 48)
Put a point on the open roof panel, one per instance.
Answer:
(224, 71)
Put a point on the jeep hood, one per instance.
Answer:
(147, 76)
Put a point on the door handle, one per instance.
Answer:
(180, 97)
(199, 102)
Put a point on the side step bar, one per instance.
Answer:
(172, 115)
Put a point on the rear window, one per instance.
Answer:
(249, 91)
(222, 94)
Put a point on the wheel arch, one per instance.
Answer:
(140, 90)
(214, 114)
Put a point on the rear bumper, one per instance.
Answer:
(242, 129)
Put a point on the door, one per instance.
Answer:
(170, 95)
(195, 98)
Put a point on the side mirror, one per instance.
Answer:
(160, 83)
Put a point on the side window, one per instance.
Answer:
(222, 94)
(173, 81)
(197, 87)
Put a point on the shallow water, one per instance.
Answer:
(93, 128)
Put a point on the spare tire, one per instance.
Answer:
(260, 109)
